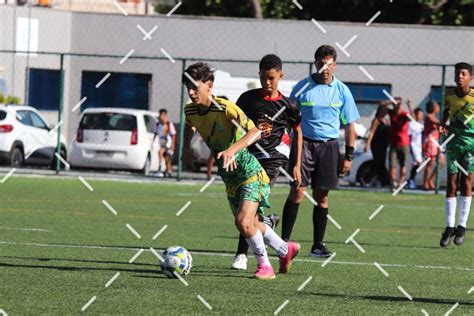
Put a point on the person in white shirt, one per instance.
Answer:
(415, 130)
(166, 133)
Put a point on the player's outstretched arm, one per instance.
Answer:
(410, 108)
(228, 155)
(373, 128)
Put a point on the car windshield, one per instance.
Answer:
(109, 121)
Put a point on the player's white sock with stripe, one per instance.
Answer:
(258, 247)
(464, 209)
(275, 242)
(450, 209)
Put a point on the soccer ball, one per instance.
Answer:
(176, 259)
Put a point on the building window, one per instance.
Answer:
(120, 90)
(43, 89)
(367, 96)
(435, 94)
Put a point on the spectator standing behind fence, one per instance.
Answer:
(399, 141)
(377, 142)
(431, 144)
(415, 131)
(166, 133)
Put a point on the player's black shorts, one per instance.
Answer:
(320, 163)
(272, 168)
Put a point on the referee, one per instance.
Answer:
(325, 103)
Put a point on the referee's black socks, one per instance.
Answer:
(320, 220)
(290, 211)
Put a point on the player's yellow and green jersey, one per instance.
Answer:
(460, 148)
(220, 129)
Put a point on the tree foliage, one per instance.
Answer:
(432, 12)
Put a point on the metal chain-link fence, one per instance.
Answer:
(61, 86)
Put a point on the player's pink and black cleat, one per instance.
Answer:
(286, 261)
(264, 273)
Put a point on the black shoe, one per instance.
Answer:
(271, 221)
(320, 252)
(447, 236)
(460, 233)
(275, 220)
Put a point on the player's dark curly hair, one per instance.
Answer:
(417, 110)
(463, 65)
(198, 71)
(430, 106)
(270, 61)
(324, 51)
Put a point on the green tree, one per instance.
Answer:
(434, 12)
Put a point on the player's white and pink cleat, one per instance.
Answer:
(286, 261)
(264, 272)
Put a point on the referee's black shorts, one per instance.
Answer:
(320, 163)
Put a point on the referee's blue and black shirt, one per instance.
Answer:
(324, 107)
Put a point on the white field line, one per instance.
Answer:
(27, 229)
(221, 254)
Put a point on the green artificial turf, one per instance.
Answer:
(81, 245)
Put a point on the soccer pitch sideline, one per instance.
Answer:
(65, 249)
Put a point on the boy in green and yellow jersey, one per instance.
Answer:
(460, 152)
(228, 132)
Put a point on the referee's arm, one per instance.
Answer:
(349, 115)
(350, 136)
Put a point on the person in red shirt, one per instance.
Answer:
(431, 144)
(399, 140)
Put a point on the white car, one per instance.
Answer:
(25, 138)
(362, 164)
(113, 138)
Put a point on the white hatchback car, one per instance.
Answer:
(362, 164)
(25, 138)
(114, 138)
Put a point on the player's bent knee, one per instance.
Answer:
(245, 225)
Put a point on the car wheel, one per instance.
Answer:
(147, 168)
(364, 177)
(63, 155)
(16, 157)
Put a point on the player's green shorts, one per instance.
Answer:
(460, 150)
(256, 189)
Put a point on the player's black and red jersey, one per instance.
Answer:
(274, 117)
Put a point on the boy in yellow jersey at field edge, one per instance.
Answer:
(460, 152)
(228, 132)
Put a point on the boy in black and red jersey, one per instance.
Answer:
(275, 115)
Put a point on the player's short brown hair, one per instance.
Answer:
(198, 71)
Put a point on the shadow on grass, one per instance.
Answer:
(341, 242)
(125, 262)
(206, 274)
(329, 242)
(392, 298)
(155, 273)
(67, 268)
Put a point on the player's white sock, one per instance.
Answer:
(464, 209)
(275, 242)
(258, 247)
(450, 210)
